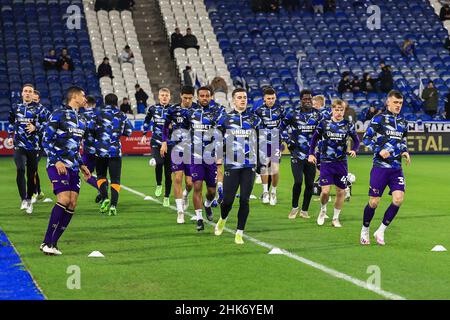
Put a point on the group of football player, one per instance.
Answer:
(196, 142)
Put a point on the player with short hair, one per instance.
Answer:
(386, 137)
(62, 139)
(109, 125)
(155, 121)
(240, 137)
(89, 157)
(26, 120)
(271, 114)
(38, 194)
(180, 139)
(302, 122)
(334, 135)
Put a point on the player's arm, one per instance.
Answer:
(355, 140)
(284, 125)
(313, 144)
(369, 135)
(11, 125)
(404, 146)
(147, 123)
(219, 137)
(128, 127)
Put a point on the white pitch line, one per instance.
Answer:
(315, 265)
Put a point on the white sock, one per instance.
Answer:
(241, 232)
(220, 185)
(274, 189)
(364, 229)
(207, 203)
(265, 187)
(336, 213)
(199, 214)
(382, 228)
(295, 208)
(323, 207)
(185, 193)
(179, 203)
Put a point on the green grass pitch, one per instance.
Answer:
(149, 256)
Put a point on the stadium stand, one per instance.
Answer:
(263, 48)
(109, 33)
(207, 62)
(30, 29)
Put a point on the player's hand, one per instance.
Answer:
(86, 172)
(61, 168)
(9, 142)
(144, 140)
(407, 157)
(30, 127)
(312, 159)
(163, 149)
(352, 153)
(385, 154)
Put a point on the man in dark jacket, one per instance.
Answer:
(141, 99)
(65, 61)
(430, 96)
(189, 40)
(386, 79)
(104, 69)
(176, 40)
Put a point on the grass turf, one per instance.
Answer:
(149, 256)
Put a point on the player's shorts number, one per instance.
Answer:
(401, 181)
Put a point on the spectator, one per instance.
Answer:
(367, 83)
(330, 6)
(447, 106)
(189, 40)
(430, 96)
(386, 80)
(141, 99)
(345, 84)
(356, 84)
(176, 40)
(65, 61)
(51, 60)
(447, 43)
(318, 102)
(218, 84)
(290, 5)
(372, 112)
(408, 48)
(125, 107)
(188, 76)
(127, 55)
(104, 69)
(318, 6)
(444, 14)
(239, 82)
(350, 113)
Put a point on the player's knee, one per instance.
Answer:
(373, 202)
(397, 200)
(20, 171)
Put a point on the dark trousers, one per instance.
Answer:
(114, 167)
(25, 160)
(300, 168)
(166, 164)
(232, 180)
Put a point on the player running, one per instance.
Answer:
(26, 120)
(180, 140)
(62, 139)
(110, 124)
(202, 122)
(334, 134)
(271, 115)
(302, 122)
(89, 157)
(386, 137)
(154, 121)
(240, 149)
(38, 194)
